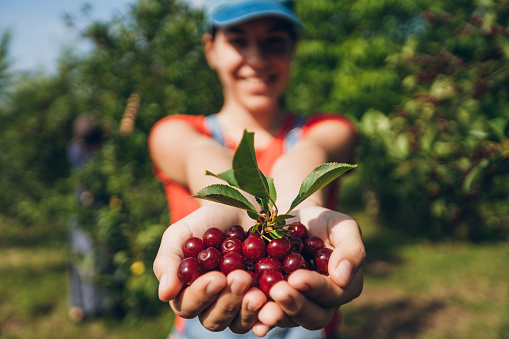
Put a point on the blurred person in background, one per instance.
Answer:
(85, 298)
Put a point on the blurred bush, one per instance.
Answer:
(424, 81)
(439, 160)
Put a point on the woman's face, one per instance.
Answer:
(253, 61)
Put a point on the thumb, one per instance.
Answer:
(348, 254)
(166, 264)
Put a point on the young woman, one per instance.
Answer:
(251, 44)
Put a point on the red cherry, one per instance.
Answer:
(232, 261)
(293, 262)
(279, 248)
(255, 278)
(267, 263)
(250, 266)
(311, 264)
(269, 279)
(311, 245)
(296, 244)
(299, 230)
(189, 270)
(210, 258)
(254, 248)
(213, 237)
(237, 232)
(231, 244)
(192, 247)
(322, 260)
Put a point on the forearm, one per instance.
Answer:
(205, 155)
(292, 168)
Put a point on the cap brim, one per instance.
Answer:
(238, 13)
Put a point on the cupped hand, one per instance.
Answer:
(218, 301)
(309, 299)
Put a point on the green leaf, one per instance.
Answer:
(474, 175)
(272, 189)
(275, 234)
(318, 178)
(252, 215)
(225, 195)
(280, 219)
(226, 176)
(245, 169)
(264, 204)
(498, 125)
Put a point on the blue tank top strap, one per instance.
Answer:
(215, 129)
(290, 139)
(294, 134)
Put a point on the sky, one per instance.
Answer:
(38, 31)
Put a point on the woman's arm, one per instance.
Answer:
(183, 154)
(309, 299)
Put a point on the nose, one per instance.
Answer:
(256, 55)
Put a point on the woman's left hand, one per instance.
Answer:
(310, 299)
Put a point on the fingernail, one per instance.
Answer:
(163, 285)
(344, 270)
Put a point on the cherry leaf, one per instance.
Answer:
(272, 190)
(318, 178)
(252, 215)
(280, 219)
(225, 195)
(226, 176)
(276, 234)
(245, 169)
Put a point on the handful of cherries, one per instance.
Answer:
(271, 250)
(266, 260)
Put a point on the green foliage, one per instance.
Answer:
(4, 63)
(439, 160)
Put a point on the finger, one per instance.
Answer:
(195, 298)
(168, 260)
(252, 302)
(298, 309)
(220, 314)
(283, 320)
(260, 330)
(349, 252)
(323, 290)
(343, 234)
(271, 314)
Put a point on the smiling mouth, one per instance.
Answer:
(257, 80)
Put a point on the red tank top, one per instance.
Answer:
(180, 204)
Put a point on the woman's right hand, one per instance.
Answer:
(217, 300)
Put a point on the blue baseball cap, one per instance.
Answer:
(219, 13)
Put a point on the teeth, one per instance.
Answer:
(256, 80)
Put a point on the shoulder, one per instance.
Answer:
(174, 127)
(329, 121)
(196, 122)
(333, 132)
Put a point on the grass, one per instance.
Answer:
(33, 292)
(429, 290)
(412, 290)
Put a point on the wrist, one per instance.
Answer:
(218, 213)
